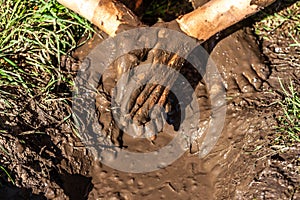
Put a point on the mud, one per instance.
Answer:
(244, 164)
(246, 79)
(241, 63)
(230, 170)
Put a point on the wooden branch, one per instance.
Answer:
(217, 15)
(110, 16)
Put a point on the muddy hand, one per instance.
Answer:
(143, 86)
(147, 102)
(201, 24)
(141, 94)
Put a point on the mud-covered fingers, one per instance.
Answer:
(139, 97)
(156, 123)
(159, 57)
(147, 114)
(159, 121)
(131, 104)
(106, 120)
(126, 62)
(142, 114)
(143, 99)
(155, 56)
(262, 70)
(117, 69)
(156, 116)
(163, 98)
(253, 78)
(151, 96)
(176, 62)
(150, 91)
(150, 115)
(156, 113)
(150, 130)
(134, 130)
(119, 72)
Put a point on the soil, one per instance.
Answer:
(244, 164)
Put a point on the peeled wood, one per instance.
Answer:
(217, 15)
(108, 15)
(202, 23)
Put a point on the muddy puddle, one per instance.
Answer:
(228, 171)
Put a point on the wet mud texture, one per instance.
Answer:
(243, 164)
(43, 165)
(233, 169)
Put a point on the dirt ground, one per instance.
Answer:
(246, 163)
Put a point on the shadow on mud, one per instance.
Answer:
(11, 192)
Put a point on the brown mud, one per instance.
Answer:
(250, 114)
(244, 164)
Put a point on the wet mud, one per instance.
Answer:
(243, 164)
(231, 169)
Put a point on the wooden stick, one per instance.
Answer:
(217, 15)
(110, 16)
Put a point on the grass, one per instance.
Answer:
(288, 20)
(36, 33)
(34, 37)
(7, 174)
(289, 123)
(281, 31)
